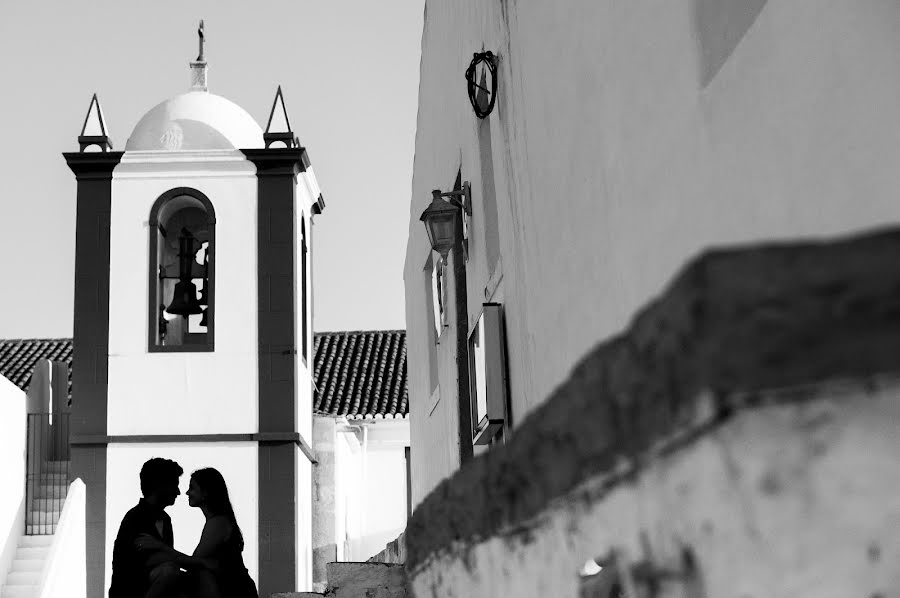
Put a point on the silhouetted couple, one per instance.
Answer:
(145, 564)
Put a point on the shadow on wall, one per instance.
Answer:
(720, 25)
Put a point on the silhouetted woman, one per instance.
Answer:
(216, 569)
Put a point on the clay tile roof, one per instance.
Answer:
(19, 356)
(361, 374)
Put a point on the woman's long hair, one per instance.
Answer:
(213, 486)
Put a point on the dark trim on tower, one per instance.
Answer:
(276, 171)
(278, 161)
(93, 172)
(319, 206)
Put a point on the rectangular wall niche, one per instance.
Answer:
(487, 374)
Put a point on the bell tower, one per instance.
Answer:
(192, 323)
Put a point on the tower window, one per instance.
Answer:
(182, 268)
(303, 307)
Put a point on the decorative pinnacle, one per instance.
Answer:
(202, 37)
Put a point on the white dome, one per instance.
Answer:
(197, 120)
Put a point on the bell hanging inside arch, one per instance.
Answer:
(184, 300)
(203, 321)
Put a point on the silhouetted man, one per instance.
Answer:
(137, 574)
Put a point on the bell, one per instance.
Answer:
(186, 254)
(203, 321)
(184, 300)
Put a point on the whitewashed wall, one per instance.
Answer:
(184, 393)
(615, 160)
(385, 492)
(64, 574)
(347, 484)
(306, 196)
(238, 463)
(12, 471)
(370, 487)
(433, 412)
(782, 501)
(384, 504)
(307, 193)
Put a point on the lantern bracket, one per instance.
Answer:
(461, 198)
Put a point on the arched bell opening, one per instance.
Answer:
(182, 272)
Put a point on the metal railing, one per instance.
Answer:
(47, 471)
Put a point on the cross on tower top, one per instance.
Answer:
(198, 67)
(202, 37)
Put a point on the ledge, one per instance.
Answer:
(733, 323)
(92, 165)
(260, 437)
(278, 161)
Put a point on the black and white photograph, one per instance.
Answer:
(450, 299)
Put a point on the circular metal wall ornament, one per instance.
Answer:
(481, 81)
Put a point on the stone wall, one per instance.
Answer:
(394, 552)
(366, 580)
(738, 439)
(359, 580)
(324, 539)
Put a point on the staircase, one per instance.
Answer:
(25, 571)
(45, 495)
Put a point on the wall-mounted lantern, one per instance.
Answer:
(441, 216)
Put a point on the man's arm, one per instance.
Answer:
(157, 558)
(127, 562)
(162, 554)
(124, 551)
(168, 535)
(158, 553)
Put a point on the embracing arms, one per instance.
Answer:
(214, 534)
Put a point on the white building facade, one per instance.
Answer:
(636, 186)
(361, 495)
(625, 139)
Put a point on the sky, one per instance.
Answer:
(349, 72)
